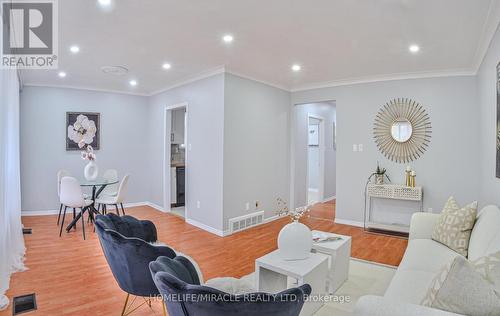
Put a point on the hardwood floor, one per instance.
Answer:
(71, 276)
(324, 210)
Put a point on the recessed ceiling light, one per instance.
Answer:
(228, 38)
(296, 67)
(166, 66)
(74, 49)
(105, 3)
(414, 48)
(62, 74)
(133, 83)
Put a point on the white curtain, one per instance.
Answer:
(12, 248)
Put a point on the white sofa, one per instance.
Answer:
(422, 261)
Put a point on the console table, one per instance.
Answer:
(394, 192)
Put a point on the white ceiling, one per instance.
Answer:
(334, 41)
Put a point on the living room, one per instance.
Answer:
(407, 156)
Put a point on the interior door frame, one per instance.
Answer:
(167, 130)
(321, 146)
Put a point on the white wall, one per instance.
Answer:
(124, 131)
(300, 113)
(313, 156)
(205, 133)
(450, 165)
(256, 142)
(486, 83)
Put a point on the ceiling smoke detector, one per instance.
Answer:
(114, 70)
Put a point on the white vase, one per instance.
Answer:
(91, 171)
(295, 241)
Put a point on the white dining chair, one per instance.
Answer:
(60, 174)
(105, 200)
(72, 196)
(112, 176)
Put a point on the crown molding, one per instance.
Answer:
(389, 77)
(267, 83)
(490, 27)
(199, 76)
(85, 89)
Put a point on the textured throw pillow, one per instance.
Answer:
(454, 226)
(458, 288)
(489, 268)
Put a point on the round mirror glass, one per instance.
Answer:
(401, 130)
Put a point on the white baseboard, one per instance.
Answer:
(349, 222)
(206, 227)
(157, 207)
(55, 212)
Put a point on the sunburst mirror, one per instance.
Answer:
(402, 130)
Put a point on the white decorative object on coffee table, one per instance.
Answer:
(339, 252)
(272, 273)
(295, 241)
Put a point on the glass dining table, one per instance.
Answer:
(97, 186)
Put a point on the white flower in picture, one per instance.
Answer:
(82, 131)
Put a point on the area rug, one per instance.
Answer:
(364, 278)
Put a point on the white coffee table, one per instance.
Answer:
(272, 273)
(339, 253)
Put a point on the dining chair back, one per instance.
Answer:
(112, 176)
(71, 193)
(61, 174)
(122, 190)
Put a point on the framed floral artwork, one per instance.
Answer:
(82, 129)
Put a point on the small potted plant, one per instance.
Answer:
(380, 174)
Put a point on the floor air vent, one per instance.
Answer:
(243, 222)
(27, 231)
(23, 304)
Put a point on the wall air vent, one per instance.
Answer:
(240, 223)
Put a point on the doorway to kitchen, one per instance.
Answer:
(176, 119)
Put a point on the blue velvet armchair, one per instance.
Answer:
(125, 242)
(184, 296)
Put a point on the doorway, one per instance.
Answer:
(175, 160)
(315, 159)
(314, 152)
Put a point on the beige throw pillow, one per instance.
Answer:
(458, 288)
(454, 227)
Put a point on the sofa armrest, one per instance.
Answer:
(371, 305)
(422, 225)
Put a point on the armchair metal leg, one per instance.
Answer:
(123, 210)
(117, 210)
(74, 216)
(125, 305)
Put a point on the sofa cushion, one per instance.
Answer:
(458, 288)
(409, 286)
(426, 255)
(489, 268)
(454, 226)
(485, 237)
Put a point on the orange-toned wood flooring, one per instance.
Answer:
(323, 210)
(70, 276)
